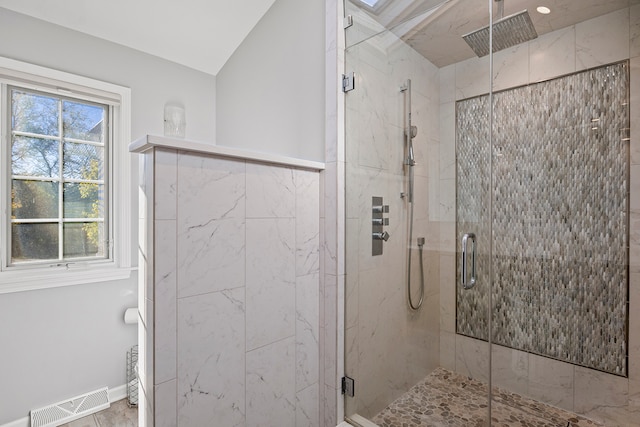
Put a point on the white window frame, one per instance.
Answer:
(29, 76)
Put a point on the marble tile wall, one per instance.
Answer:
(234, 333)
(388, 347)
(613, 37)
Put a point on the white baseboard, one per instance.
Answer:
(115, 394)
(22, 422)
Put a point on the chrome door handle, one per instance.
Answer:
(472, 281)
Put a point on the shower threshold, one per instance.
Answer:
(357, 420)
(445, 398)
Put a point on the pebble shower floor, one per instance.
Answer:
(445, 398)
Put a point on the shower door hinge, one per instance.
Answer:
(348, 386)
(348, 82)
(348, 21)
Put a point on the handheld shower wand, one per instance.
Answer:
(412, 131)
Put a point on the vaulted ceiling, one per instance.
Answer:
(201, 34)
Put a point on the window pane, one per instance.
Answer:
(84, 240)
(34, 157)
(83, 200)
(34, 113)
(82, 121)
(83, 161)
(34, 199)
(31, 242)
(69, 143)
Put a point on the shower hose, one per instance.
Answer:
(420, 245)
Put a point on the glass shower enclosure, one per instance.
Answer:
(492, 212)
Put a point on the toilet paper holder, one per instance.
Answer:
(131, 316)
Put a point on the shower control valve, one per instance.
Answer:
(380, 221)
(381, 236)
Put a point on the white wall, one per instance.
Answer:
(61, 342)
(153, 81)
(270, 94)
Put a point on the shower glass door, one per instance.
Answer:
(524, 188)
(394, 353)
(563, 219)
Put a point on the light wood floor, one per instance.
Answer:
(118, 415)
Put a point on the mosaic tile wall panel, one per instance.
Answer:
(560, 225)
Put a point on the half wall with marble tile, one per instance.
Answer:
(230, 258)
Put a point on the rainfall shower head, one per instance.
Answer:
(507, 32)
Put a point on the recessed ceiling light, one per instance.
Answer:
(370, 3)
(544, 10)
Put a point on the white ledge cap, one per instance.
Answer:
(151, 141)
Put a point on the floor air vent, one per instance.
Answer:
(71, 409)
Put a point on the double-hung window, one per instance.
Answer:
(64, 172)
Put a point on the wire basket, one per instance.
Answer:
(132, 378)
